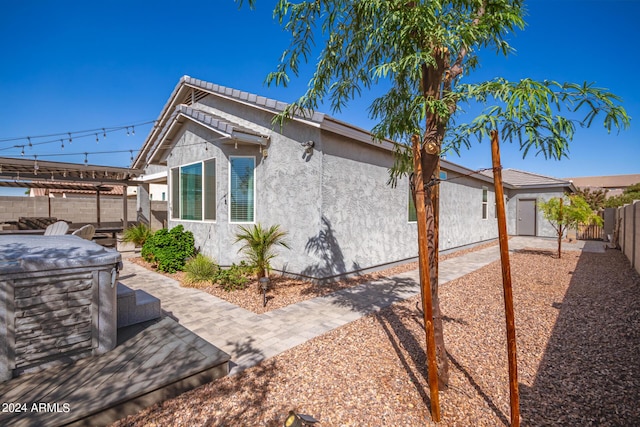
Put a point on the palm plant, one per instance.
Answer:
(137, 234)
(259, 244)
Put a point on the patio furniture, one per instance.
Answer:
(57, 229)
(86, 232)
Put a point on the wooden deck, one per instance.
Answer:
(151, 363)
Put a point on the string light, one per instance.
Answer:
(69, 133)
(64, 173)
(86, 160)
(97, 140)
(61, 144)
(22, 152)
(104, 133)
(35, 165)
(29, 139)
(128, 131)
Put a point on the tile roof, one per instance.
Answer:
(518, 178)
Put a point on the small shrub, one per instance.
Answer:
(200, 269)
(169, 249)
(235, 277)
(137, 234)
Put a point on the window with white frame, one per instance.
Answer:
(485, 204)
(242, 189)
(193, 191)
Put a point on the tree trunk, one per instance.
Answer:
(432, 80)
(562, 228)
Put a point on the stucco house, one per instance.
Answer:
(322, 180)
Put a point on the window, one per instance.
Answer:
(413, 215)
(242, 189)
(164, 196)
(485, 196)
(193, 191)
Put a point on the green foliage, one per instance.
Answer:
(629, 194)
(595, 198)
(567, 212)
(419, 50)
(258, 246)
(200, 269)
(137, 234)
(169, 249)
(537, 115)
(235, 277)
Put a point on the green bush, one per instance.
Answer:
(200, 269)
(235, 277)
(137, 234)
(169, 249)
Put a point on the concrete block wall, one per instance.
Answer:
(629, 236)
(76, 209)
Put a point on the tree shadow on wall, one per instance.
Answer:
(326, 247)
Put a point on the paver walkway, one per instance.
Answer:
(250, 338)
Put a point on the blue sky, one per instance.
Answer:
(74, 65)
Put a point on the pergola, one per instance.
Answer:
(28, 173)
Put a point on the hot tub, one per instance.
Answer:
(57, 301)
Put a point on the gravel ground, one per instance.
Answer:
(578, 331)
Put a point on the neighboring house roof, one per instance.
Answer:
(189, 91)
(607, 182)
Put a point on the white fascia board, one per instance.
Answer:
(152, 177)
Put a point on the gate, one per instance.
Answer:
(590, 232)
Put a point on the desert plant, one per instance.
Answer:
(235, 277)
(169, 249)
(259, 246)
(201, 268)
(137, 234)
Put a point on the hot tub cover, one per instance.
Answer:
(26, 254)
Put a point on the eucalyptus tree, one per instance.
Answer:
(419, 50)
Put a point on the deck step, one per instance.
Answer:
(136, 306)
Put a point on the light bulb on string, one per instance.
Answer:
(128, 131)
(30, 144)
(104, 133)
(35, 165)
(131, 152)
(22, 152)
(70, 139)
(86, 160)
(61, 144)
(133, 130)
(97, 140)
(64, 173)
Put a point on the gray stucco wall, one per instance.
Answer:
(336, 205)
(461, 221)
(543, 227)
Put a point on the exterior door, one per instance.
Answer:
(526, 220)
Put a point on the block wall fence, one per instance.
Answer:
(629, 236)
(78, 209)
